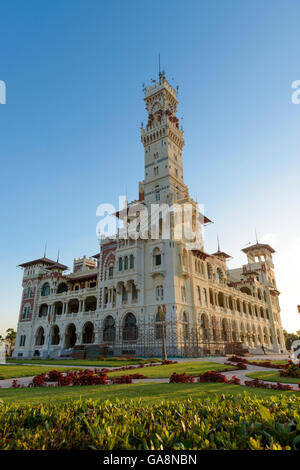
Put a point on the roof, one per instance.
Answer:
(201, 254)
(82, 277)
(258, 246)
(45, 261)
(221, 254)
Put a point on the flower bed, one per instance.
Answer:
(207, 377)
(293, 370)
(256, 363)
(262, 384)
(78, 377)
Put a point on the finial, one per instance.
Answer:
(218, 242)
(256, 237)
(45, 250)
(159, 66)
(58, 256)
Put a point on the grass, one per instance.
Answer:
(191, 368)
(148, 393)
(13, 372)
(109, 362)
(272, 362)
(273, 376)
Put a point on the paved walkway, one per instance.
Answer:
(241, 374)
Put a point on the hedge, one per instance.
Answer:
(223, 422)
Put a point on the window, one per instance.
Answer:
(131, 262)
(160, 292)
(199, 294)
(45, 289)
(126, 262)
(183, 294)
(110, 272)
(124, 294)
(22, 340)
(130, 330)
(109, 331)
(158, 260)
(120, 264)
(134, 292)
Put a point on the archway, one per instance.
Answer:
(130, 330)
(109, 330)
(40, 337)
(71, 336)
(55, 337)
(88, 335)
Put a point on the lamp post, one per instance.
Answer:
(163, 343)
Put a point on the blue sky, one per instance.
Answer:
(69, 133)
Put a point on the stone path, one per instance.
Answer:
(241, 374)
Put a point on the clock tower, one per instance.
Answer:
(163, 143)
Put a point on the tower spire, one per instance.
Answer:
(256, 237)
(218, 242)
(58, 256)
(45, 250)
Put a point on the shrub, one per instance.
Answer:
(210, 423)
(212, 376)
(261, 384)
(123, 379)
(293, 370)
(181, 378)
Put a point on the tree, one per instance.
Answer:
(10, 338)
(289, 338)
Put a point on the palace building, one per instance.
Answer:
(147, 295)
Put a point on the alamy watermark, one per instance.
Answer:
(296, 94)
(2, 92)
(154, 221)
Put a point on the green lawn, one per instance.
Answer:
(273, 376)
(272, 362)
(191, 368)
(13, 372)
(109, 362)
(148, 393)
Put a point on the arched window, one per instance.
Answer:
(160, 292)
(90, 304)
(62, 287)
(221, 299)
(43, 310)
(134, 293)
(58, 308)
(55, 335)
(246, 290)
(185, 326)
(230, 303)
(204, 327)
(156, 257)
(209, 272)
(71, 336)
(205, 296)
(40, 337)
(88, 336)
(120, 264)
(199, 294)
(126, 262)
(109, 330)
(73, 306)
(131, 262)
(45, 289)
(224, 330)
(130, 330)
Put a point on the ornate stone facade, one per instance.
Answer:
(136, 292)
